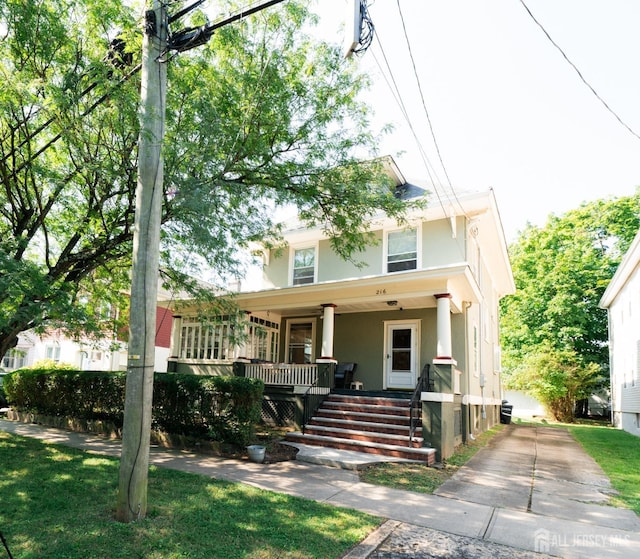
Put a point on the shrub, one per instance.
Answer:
(221, 408)
(82, 395)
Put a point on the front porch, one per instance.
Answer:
(305, 396)
(434, 417)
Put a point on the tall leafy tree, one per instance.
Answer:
(67, 172)
(264, 116)
(554, 335)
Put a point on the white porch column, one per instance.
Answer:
(443, 350)
(242, 350)
(327, 330)
(176, 327)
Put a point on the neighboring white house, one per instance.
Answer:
(85, 355)
(622, 300)
(427, 295)
(55, 346)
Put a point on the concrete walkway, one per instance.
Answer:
(533, 492)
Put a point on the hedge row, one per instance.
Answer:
(217, 408)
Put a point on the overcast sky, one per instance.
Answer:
(507, 110)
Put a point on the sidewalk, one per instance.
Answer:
(532, 490)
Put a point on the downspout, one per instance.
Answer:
(466, 305)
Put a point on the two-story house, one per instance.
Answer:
(427, 295)
(622, 300)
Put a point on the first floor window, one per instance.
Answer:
(402, 250)
(52, 352)
(14, 359)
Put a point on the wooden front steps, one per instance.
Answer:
(365, 423)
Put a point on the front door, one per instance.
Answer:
(401, 358)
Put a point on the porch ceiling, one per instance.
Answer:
(408, 290)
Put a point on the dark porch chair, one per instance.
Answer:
(344, 374)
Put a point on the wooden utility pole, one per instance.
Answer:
(134, 461)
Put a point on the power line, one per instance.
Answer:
(424, 106)
(564, 55)
(395, 90)
(423, 155)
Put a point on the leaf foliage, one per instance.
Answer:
(554, 334)
(262, 118)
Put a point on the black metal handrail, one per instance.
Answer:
(424, 384)
(316, 394)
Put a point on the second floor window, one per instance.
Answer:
(402, 250)
(304, 265)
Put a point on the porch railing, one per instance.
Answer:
(283, 374)
(316, 394)
(424, 384)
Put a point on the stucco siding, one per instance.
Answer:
(276, 272)
(440, 246)
(360, 338)
(333, 267)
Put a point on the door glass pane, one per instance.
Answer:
(401, 360)
(401, 349)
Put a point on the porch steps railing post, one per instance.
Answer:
(424, 384)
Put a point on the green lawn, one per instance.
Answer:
(618, 454)
(421, 478)
(57, 502)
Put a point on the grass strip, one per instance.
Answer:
(618, 454)
(58, 502)
(412, 476)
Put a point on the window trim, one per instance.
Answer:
(292, 255)
(385, 253)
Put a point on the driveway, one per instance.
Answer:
(539, 494)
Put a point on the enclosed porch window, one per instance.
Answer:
(206, 341)
(217, 340)
(264, 339)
